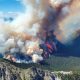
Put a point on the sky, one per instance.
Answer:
(11, 6)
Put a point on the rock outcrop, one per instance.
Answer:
(10, 72)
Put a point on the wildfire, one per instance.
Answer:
(30, 33)
(10, 57)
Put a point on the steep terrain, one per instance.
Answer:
(8, 71)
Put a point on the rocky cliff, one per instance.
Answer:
(8, 71)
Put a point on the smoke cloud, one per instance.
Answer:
(26, 32)
(71, 23)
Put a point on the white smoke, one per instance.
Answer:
(55, 2)
(20, 35)
(36, 58)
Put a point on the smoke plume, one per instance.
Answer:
(26, 32)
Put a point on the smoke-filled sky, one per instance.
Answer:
(32, 18)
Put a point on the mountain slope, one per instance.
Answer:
(8, 71)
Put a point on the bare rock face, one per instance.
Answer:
(38, 74)
(10, 72)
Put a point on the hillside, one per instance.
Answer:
(17, 71)
(13, 71)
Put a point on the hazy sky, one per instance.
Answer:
(11, 6)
